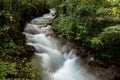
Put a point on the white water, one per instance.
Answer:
(58, 56)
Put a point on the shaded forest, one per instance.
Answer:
(14, 54)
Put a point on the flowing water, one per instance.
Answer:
(58, 56)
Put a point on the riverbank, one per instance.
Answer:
(96, 35)
(87, 59)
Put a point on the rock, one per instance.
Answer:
(102, 64)
(92, 62)
(29, 50)
(83, 55)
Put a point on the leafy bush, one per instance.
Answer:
(21, 70)
(88, 22)
(14, 57)
(6, 68)
(65, 26)
(69, 28)
(13, 60)
(77, 19)
(107, 44)
(53, 3)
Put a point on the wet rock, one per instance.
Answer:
(29, 50)
(92, 62)
(83, 55)
(102, 64)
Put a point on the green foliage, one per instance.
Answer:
(32, 70)
(29, 10)
(115, 8)
(83, 14)
(102, 11)
(87, 21)
(107, 44)
(76, 19)
(69, 28)
(21, 71)
(53, 3)
(66, 27)
(14, 57)
(6, 68)
(10, 49)
(19, 12)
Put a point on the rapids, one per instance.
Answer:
(57, 56)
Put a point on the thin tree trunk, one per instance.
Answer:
(1, 13)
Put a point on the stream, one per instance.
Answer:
(58, 55)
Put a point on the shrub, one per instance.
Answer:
(14, 57)
(69, 28)
(107, 44)
(77, 19)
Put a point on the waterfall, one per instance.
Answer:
(59, 58)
